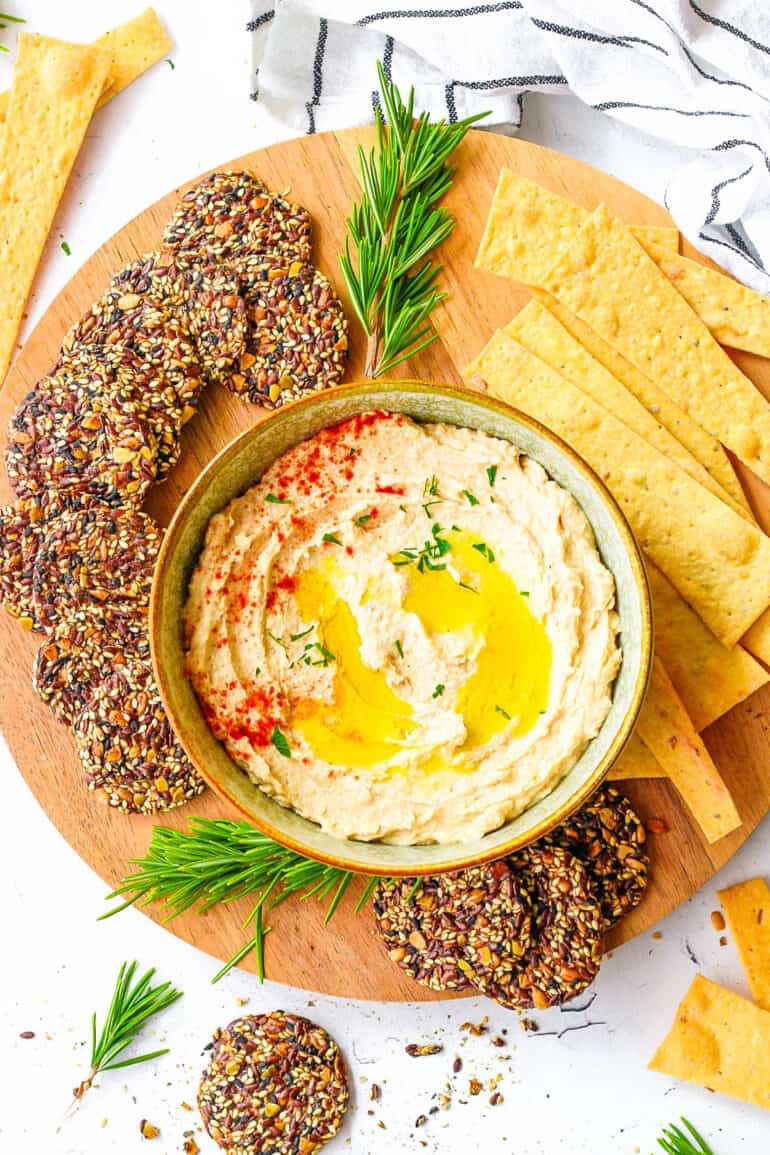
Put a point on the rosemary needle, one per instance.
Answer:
(396, 225)
(130, 1010)
(675, 1142)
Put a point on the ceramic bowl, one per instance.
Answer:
(242, 463)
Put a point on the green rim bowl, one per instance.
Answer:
(242, 463)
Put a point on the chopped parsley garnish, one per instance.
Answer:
(465, 586)
(301, 634)
(485, 550)
(429, 556)
(438, 691)
(430, 490)
(326, 655)
(331, 537)
(352, 451)
(66, 249)
(170, 63)
(276, 500)
(278, 641)
(403, 508)
(399, 648)
(524, 593)
(258, 671)
(455, 528)
(278, 738)
(492, 473)
(362, 520)
(467, 493)
(505, 713)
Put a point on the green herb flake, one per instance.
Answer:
(439, 690)
(524, 593)
(485, 550)
(301, 634)
(326, 655)
(170, 63)
(505, 713)
(66, 249)
(472, 500)
(258, 671)
(465, 586)
(331, 538)
(275, 500)
(278, 738)
(278, 641)
(492, 474)
(362, 520)
(399, 648)
(352, 451)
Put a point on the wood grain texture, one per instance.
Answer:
(345, 958)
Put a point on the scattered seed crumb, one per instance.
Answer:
(656, 826)
(186, 1106)
(421, 1120)
(148, 1130)
(374, 1092)
(476, 1028)
(190, 1147)
(381, 1125)
(717, 920)
(529, 1025)
(497, 1041)
(370, 1111)
(241, 1002)
(457, 1065)
(418, 1049)
(495, 1099)
(103, 1122)
(27, 1035)
(657, 934)
(475, 1086)
(722, 940)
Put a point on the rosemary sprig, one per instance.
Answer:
(219, 860)
(675, 1142)
(396, 225)
(130, 1010)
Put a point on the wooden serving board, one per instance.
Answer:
(345, 958)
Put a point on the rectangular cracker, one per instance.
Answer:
(735, 315)
(757, 638)
(636, 761)
(607, 278)
(529, 225)
(540, 331)
(133, 48)
(709, 678)
(665, 727)
(719, 1041)
(747, 909)
(55, 89)
(704, 448)
(719, 562)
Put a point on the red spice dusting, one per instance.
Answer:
(254, 718)
(398, 490)
(349, 550)
(286, 584)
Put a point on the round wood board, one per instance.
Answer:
(345, 958)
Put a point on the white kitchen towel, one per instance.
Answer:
(694, 72)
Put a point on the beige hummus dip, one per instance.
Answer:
(403, 632)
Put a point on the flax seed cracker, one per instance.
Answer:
(67, 436)
(567, 930)
(609, 839)
(95, 557)
(23, 527)
(274, 1082)
(229, 215)
(128, 750)
(419, 930)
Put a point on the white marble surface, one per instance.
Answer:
(587, 1093)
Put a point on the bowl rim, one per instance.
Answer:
(628, 541)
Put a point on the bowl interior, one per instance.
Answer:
(242, 463)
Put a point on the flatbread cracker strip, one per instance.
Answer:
(528, 225)
(736, 315)
(747, 909)
(636, 761)
(703, 447)
(709, 678)
(665, 727)
(133, 47)
(539, 330)
(719, 562)
(718, 1041)
(757, 638)
(607, 278)
(55, 90)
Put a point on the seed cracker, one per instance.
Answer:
(420, 931)
(23, 527)
(94, 557)
(274, 1083)
(128, 750)
(609, 839)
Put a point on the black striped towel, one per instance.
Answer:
(695, 72)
